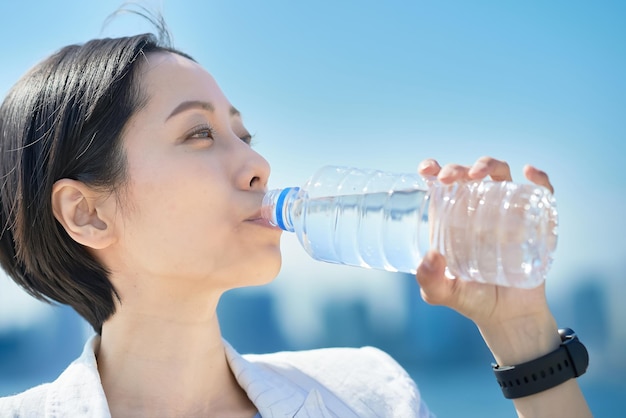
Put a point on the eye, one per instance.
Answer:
(201, 132)
(247, 138)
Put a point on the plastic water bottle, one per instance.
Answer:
(492, 232)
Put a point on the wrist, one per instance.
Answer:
(521, 339)
(569, 361)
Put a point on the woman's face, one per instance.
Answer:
(195, 186)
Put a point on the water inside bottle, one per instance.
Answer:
(372, 230)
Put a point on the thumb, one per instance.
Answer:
(435, 287)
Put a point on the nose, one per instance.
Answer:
(254, 170)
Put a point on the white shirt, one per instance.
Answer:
(323, 383)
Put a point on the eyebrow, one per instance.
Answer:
(198, 104)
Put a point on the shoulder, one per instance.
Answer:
(366, 377)
(331, 363)
(76, 392)
(30, 403)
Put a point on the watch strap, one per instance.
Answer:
(569, 361)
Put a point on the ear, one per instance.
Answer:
(86, 215)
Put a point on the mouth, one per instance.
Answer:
(258, 219)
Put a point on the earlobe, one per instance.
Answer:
(83, 213)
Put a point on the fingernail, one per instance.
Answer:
(425, 165)
(477, 169)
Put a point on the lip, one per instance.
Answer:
(257, 219)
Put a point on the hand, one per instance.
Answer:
(516, 323)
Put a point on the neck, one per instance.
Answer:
(168, 363)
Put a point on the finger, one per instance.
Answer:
(538, 177)
(487, 166)
(453, 172)
(429, 167)
(435, 288)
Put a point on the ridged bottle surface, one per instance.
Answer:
(493, 232)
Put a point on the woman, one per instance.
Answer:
(131, 193)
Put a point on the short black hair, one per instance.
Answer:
(65, 119)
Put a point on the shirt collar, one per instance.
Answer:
(78, 390)
(280, 390)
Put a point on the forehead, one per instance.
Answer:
(169, 79)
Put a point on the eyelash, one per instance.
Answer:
(201, 129)
(211, 133)
(248, 139)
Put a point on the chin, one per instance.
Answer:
(260, 270)
(266, 271)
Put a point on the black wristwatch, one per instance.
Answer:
(569, 361)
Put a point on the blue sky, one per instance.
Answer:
(386, 84)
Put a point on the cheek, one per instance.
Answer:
(174, 188)
(187, 211)
(179, 218)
